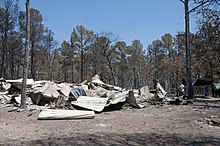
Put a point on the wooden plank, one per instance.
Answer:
(93, 103)
(55, 114)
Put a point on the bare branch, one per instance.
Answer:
(203, 3)
(182, 1)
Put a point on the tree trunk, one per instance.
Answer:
(2, 64)
(72, 71)
(12, 65)
(49, 57)
(65, 73)
(4, 53)
(25, 69)
(188, 51)
(32, 61)
(135, 79)
(82, 65)
(18, 70)
(111, 69)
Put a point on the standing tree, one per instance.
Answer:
(14, 55)
(8, 20)
(136, 62)
(49, 44)
(187, 47)
(81, 39)
(169, 53)
(179, 59)
(36, 39)
(56, 65)
(197, 4)
(155, 54)
(106, 48)
(25, 69)
(122, 64)
(207, 45)
(67, 55)
(36, 36)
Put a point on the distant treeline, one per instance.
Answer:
(88, 53)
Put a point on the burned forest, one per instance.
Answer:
(96, 89)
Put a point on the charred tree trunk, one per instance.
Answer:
(3, 64)
(82, 65)
(25, 69)
(32, 61)
(188, 51)
(111, 69)
(4, 52)
(135, 78)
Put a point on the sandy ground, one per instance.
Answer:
(153, 125)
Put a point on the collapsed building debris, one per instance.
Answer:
(131, 100)
(145, 92)
(4, 85)
(76, 92)
(92, 103)
(45, 92)
(18, 83)
(94, 95)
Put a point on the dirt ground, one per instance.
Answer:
(153, 125)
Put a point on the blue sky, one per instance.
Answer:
(145, 20)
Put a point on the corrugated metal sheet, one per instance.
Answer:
(92, 103)
(53, 114)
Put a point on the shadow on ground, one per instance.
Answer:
(121, 140)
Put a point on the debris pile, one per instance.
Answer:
(93, 95)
